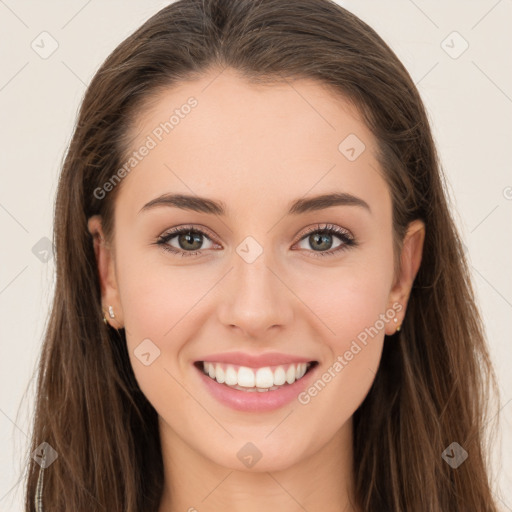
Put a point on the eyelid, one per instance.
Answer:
(326, 227)
(176, 230)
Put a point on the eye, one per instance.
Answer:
(320, 238)
(188, 240)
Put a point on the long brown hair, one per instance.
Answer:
(435, 375)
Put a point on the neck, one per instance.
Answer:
(193, 483)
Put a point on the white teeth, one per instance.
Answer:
(231, 376)
(250, 379)
(264, 378)
(290, 374)
(279, 376)
(219, 374)
(245, 377)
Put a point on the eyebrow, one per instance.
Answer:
(297, 207)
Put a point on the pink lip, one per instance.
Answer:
(256, 361)
(255, 401)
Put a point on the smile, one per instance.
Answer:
(243, 378)
(255, 384)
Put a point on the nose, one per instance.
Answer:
(255, 300)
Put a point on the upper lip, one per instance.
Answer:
(255, 361)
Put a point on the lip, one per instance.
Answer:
(254, 361)
(256, 401)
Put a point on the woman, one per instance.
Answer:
(262, 300)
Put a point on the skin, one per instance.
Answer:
(256, 148)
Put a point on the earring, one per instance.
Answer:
(110, 314)
(396, 321)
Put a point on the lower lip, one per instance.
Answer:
(256, 401)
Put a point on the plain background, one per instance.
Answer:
(468, 95)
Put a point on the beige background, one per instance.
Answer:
(470, 103)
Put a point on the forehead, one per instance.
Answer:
(220, 133)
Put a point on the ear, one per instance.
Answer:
(106, 273)
(410, 260)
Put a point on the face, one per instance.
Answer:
(263, 282)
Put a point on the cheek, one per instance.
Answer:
(163, 309)
(158, 310)
(348, 300)
(352, 359)
(352, 310)
(157, 298)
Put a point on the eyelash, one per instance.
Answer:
(344, 235)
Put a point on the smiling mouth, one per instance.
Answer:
(244, 378)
